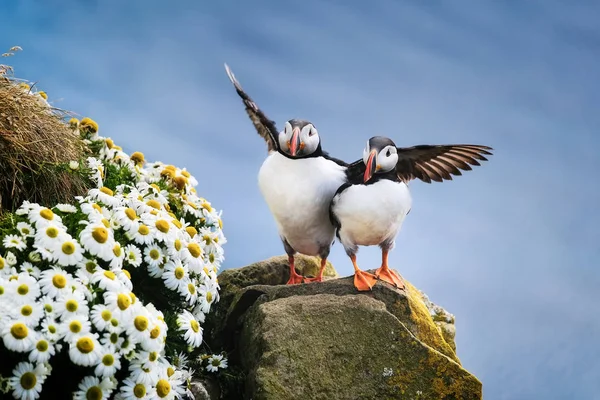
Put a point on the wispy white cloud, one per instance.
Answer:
(510, 248)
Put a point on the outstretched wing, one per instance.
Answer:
(438, 162)
(264, 126)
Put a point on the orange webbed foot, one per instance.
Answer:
(364, 281)
(390, 276)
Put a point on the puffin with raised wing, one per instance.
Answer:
(297, 180)
(370, 208)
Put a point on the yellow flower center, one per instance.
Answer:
(131, 214)
(26, 310)
(105, 222)
(71, 305)
(127, 274)
(68, 248)
(19, 331)
(141, 323)
(191, 288)
(191, 231)
(75, 327)
(2, 262)
(89, 124)
(139, 390)
(46, 213)
(43, 94)
(48, 307)
(42, 346)
(28, 380)
(114, 338)
(114, 322)
(137, 157)
(117, 250)
(154, 204)
(162, 225)
(23, 289)
(207, 206)
(97, 207)
(109, 143)
(106, 315)
(100, 234)
(94, 393)
(110, 275)
(176, 223)
(163, 388)
(90, 267)
(59, 281)
(179, 272)
(143, 230)
(52, 329)
(186, 174)
(52, 232)
(194, 206)
(85, 345)
(106, 190)
(207, 239)
(108, 360)
(180, 182)
(194, 325)
(133, 297)
(153, 356)
(211, 258)
(209, 297)
(177, 244)
(123, 301)
(194, 250)
(155, 332)
(154, 254)
(170, 371)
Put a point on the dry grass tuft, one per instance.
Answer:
(36, 146)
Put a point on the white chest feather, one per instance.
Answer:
(298, 193)
(371, 214)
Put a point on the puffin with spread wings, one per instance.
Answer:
(370, 207)
(297, 180)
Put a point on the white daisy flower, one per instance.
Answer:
(133, 255)
(27, 380)
(91, 387)
(24, 289)
(154, 255)
(128, 218)
(71, 304)
(30, 269)
(175, 274)
(42, 216)
(216, 362)
(75, 327)
(127, 349)
(98, 240)
(164, 389)
(118, 256)
(106, 280)
(93, 211)
(138, 330)
(66, 208)
(111, 340)
(50, 236)
(30, 313)
(119, 303)
(147, 376)
(132, 390)
(124, 277)
(105, 196)
(109, 363)
(42, 351)
(101, 316)
(97, 170)
(10, 258)
(85, 349)
(55, 281)
(17, 336)
(190, 292)
(193, 255)
(14, 241)
(163, 229)
(143, 235)
(25, 208)
(69, 252)
(51, 329)
(191, 327)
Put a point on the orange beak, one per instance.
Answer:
(295, 144)
(371, 166)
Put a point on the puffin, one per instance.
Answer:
(369, 209)
(297, 180)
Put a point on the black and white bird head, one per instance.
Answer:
(299, 138)
(380, 156)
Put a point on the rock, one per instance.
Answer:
(298, 341)
(273, 271)
(443, 319)
(327, 346)
(205, 389)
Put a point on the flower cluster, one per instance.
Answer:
(117, 283)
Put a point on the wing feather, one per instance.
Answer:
(438, 162)
(263, 125)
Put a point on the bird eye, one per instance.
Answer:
(388, 153)
(311, 133)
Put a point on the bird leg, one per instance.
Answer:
(362, 280)
(386, 274)
(319, 277)
(294, 276)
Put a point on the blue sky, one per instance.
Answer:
(510, 248)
